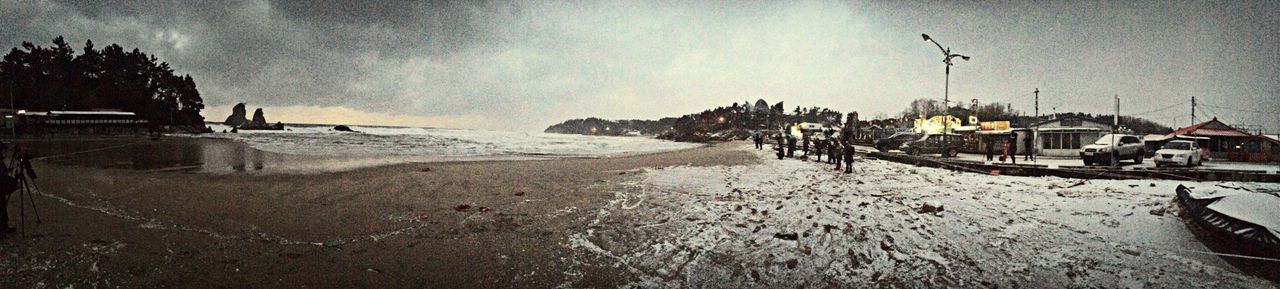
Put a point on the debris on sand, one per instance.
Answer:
(887, 243)
(931, 207)
(425, 169)
(519, 193)
(462, 207)
(484, 209)
(1159, 211)
(787, 236)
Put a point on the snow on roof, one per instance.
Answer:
(1256, 208)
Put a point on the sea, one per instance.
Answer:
(438, 144)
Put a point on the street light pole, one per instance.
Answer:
(946, 89)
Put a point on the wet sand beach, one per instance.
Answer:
(153, 215)
(720, 216)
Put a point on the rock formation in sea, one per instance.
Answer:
(259, 121)
(237, 116)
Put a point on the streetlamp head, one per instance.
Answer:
(926, 36)
(966, 58)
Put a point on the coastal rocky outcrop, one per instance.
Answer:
(237, 117)
(597, 126)
(259, 122)
(341, 127)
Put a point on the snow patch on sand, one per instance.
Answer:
(788, 223)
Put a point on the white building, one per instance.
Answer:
(1065, 135)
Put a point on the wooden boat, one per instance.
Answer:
(1248, 218)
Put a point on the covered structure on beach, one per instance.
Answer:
(80, 122)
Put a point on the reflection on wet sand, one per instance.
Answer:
(180, 154)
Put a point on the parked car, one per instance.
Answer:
(1179, 152)
(895, 141)
(933, 145)
(1112, 148)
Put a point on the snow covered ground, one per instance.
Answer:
(790, 223)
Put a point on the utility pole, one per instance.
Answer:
(1115, 119)
(1193, 110)
(1036, 130)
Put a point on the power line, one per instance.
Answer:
(1240, 109)
(1160, 109)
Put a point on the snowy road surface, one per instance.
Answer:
(789, 224)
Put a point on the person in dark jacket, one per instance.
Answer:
(780, 146)
(759, 139)
(1027, 145)
(8, 185)
(848, 156)
(1013, 148)
(991, 147)
(820, 147)
(832, 146)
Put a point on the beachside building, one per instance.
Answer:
(80, 122)
(1224, 142)
(1065, 135)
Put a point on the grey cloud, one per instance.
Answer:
(527, 64)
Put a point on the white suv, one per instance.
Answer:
(1112, 148)
(1179, 152)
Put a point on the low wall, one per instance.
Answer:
(1091, 172)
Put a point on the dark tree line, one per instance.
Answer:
(597, 126)
(736, 121)
(54, 78)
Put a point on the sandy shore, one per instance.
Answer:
(112, 220)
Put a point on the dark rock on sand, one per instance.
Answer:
(343, 128)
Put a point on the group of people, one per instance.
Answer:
(838, 151)
(1010, 145)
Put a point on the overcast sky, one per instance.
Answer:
(526, 65)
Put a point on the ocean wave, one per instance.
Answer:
(439, 143)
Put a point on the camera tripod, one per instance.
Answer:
(25, 176)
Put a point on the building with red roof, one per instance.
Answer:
(1221, 141)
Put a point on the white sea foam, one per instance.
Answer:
(440, 144)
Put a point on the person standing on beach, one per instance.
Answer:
(820, 145)
(759, 140)
(1026, 143)
(991, 147)
(791, 146)
(805, 147)
(848, 156)
(1013, 147)
(777, 139)
(833, 153)
(8, 185)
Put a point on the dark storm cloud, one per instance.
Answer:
(524, 65)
